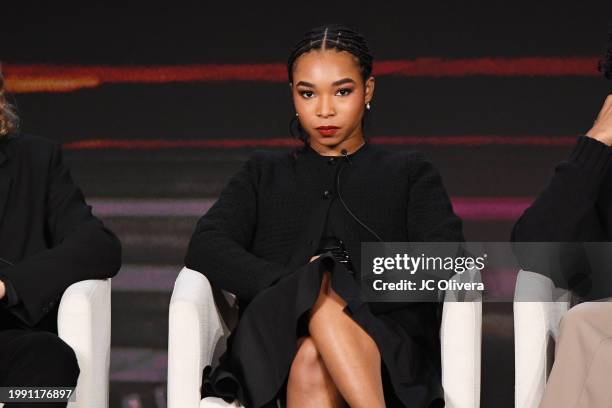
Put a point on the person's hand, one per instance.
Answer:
(2, 290)
(313, 258)
(602, 128)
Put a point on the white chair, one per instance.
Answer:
(538, 309)
(84, 323)
(197, 323)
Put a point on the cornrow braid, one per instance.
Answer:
(335, 36)
(9, 122)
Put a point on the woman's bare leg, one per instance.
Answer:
(309, 383)
(348, 352)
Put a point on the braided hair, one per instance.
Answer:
(8, 119)
(335, 36)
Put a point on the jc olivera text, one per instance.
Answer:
(427, 285)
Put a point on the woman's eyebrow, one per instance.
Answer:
(336, 83)
(304, 83)
(343, 81)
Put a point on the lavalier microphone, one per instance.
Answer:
(345, 155)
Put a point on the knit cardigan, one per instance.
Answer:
(575, 207)
(269, 218)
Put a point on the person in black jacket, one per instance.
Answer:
(49, 239)
(285, 236)
(576, 207)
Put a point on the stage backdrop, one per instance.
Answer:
(158, 105)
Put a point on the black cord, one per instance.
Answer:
(6, 262)
(345, 155)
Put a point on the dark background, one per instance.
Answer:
(151, 197)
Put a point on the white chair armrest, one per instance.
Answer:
(195, 328)
(538, 309)
(460, 338)
(84, 323)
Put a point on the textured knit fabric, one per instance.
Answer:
(256, 242)
(261, 227)
(577, 203)
(575, 208)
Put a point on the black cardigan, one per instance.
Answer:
(575, 207)
(47, 231)
(269, 218)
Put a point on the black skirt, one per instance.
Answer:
(255, 367)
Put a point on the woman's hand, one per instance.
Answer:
(2, 290)
(602, 128)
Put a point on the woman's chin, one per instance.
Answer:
(329, 141)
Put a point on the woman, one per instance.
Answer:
(305, 337)
(48, 240)
(576, 207)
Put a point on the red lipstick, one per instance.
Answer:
(328, 130)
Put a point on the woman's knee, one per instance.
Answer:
(307, 370)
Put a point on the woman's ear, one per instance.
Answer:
(369, 89)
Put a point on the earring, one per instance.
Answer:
(368, 106)
(297, 114)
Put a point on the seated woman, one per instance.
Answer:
(48, 240)
(305, 338)
(576, 207)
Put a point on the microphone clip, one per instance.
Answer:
(345, 155)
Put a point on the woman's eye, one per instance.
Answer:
(344, 91)
(306, 94)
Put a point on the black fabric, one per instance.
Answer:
(333, 236)
(260, 350)
(261, 228)
(257, 239)
(47, 231)
(576, 205)
(36, 358)
(573, 209)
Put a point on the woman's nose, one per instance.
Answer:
(325, 107)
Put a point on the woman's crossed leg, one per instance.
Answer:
(337, 361)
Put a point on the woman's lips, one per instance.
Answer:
(328, 130)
